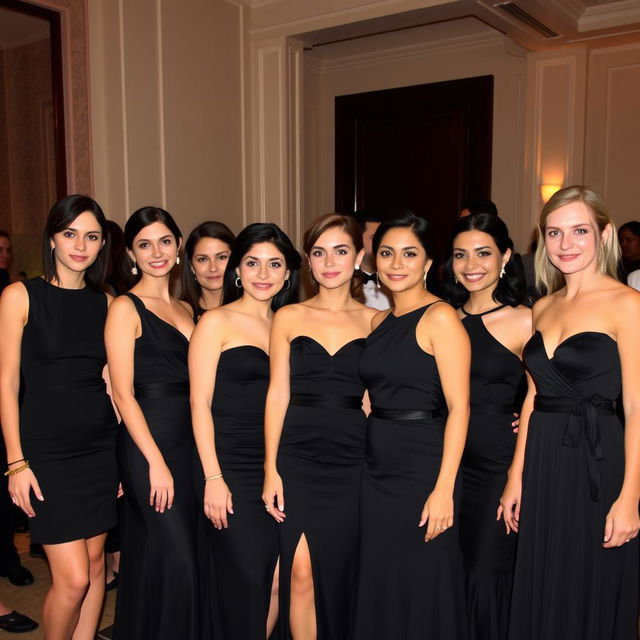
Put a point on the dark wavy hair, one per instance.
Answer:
(118, 278)
(61, 217)
(406, 220)
(633, 226)
(142, 218)
(348, 224)
(254, 234)
(511, 288)
(191, 289)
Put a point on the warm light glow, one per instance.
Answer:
(547, 190)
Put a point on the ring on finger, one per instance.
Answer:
(267, 507)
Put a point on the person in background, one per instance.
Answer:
(14, 622)
(629, 237)
(6, 253)
(375, 295)
(634, 279)
(473, 207)
(207, 252)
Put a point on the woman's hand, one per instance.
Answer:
(509, 508)
(622, 523)
(217, 502)
(273, 495)
(516, 423)
(437, 514)
(161, 481)
(20, 486)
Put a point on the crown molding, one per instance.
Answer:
(616, 14)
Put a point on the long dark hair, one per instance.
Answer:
(61, 216)
(143, 218)
(254, 234)
(511, 288)
(191, 289)
(118, 278)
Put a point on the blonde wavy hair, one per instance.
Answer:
(548, 277)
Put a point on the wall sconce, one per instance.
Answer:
(547, 190)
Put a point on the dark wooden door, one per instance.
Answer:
(426, 148)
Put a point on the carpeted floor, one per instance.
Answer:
(28, 600)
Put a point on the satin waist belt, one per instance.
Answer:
(328, 401)
(583, 419)
(162, 390)
(396, 414)
(490, 408)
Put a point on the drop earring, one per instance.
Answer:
(357, 267)
(177, 259)
(455, 279)
(502, 271)
(134, 270)
(425, 279)
(377, 281)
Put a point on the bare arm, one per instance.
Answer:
(121, 330)
(204, 353)
(275, 410)
(449, 341)
(14, 311)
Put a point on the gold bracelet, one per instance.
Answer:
(12, 472)
(216, 477)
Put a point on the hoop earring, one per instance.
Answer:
(238, 283)
(502, 271)
(377, 280)
(134, 270)
(288, 283)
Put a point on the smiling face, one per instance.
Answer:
(5, 252)
(477, 261)
(401, 260)
(155, 250)
(333, 257)
(262, 271)
(209, 262)
(572, 238)
(76, 247)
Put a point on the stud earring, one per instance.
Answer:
(238, 283)
(357, 266)
(455, 279)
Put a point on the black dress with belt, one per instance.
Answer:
(497, 385)
(67, 423)
(408, 589)
(320, 461)
(566, 585)
(158, 592)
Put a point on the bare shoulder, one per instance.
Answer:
(521, 316)
(15, 294)
(540, 307)
(186, 305)
(377, 317)
(290, 313)
(441, 313)
(214, 318)
(122, 307)
(626, 304)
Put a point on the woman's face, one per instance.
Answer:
(572, 237)
(209, 262)
(77, 247)
(401, 261)
(155, 250)
(333, 258)
(262, 271)
(630, 245)
(477, 261)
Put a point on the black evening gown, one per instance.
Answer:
(158, 597)
(408, 589)
(67, 423)
(320, 461)
(566, 585)
(246, 553)
(497, 383)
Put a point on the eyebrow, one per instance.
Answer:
(162, 238)
(335, 246)
(217, 253)
(386, 246)
(256, 258)
(573, 226)
(76, 231)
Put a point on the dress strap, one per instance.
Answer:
(484, 313)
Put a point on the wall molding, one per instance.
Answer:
(610, 15)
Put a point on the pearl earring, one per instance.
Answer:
(134, 270)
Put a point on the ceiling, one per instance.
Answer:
(18, 28)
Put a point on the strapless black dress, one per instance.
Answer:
(320, 461)
(566, 585)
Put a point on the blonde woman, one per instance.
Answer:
(574, 483)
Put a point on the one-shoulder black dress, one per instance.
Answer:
(566, 585)
(497, 384)
(408, 589)
(158, 596)
(320, 461)
(67, 423)
(246, 553)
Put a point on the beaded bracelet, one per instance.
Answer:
(12, 472)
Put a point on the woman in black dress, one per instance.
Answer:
(574, 483)
(415, 365)
(58, 422)
(207, 251)
(488, 289)
(229, 372)
(315, 436)
(147, 337)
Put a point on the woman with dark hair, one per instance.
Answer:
(58, 422)
(147, 338)
(229, 372)
(415, 365)
(629, 237)
(574, 483)
(488, 289)
(119, 278)
(315, 435)
(207, 252)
